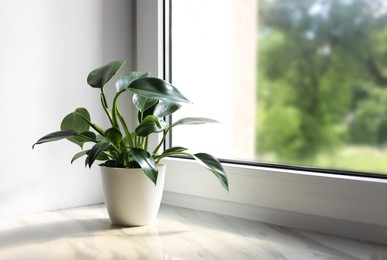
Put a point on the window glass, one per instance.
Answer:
(295, 82)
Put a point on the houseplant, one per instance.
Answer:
(123, 150)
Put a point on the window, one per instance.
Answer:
(338, 204)
(300, 83)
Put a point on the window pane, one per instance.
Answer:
(298, 82)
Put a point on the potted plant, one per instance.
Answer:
(132, 173)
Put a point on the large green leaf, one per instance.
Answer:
(165, 108)
(143, 103)
(147, 163)
(79, 155)
(100, 76)
(87, 136)
(212, 164)
(95, 151)
(55, 136)
(75, 122)
(150, 124)
(114, 135)
(147, 112)
(82, 138)
(157, 89)
(194, 121)
(124, 81)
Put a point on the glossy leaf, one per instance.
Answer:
(124, 81)
(213, 165)
(88, 136)
(74, 122)
(103, 156)
(147, 112)
(100, 76)
(95, 151)
(79, 155)
(175, 149)
(114, 135)
(194, 121)
(143, 103)
(55, 136)
(165, 108)
(151, 124)
(147, 163)
(82, 138)
(157, 89)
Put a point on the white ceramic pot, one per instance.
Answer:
(131, 198)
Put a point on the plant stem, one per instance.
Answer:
(115, 108)
(162, 141)
(124, 125)
(94, 126)
(116, 113)
(146, 143)
(106, 107)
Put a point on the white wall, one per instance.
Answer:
(47, 48)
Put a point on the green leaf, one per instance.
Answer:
(213, 165)
(147, 163)
(124, 81)
(194, 121)
(165, 108)
(100, 76)
(146, 113)
(103, 156)
(55, 136)
(150, 124)
(82, 138)
(95, 151)
(79, 155)
(175, 149)
(157, 89)
(75, 122)
(87, 136)
(114, 135)
(143, 103)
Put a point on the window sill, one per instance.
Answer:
(86, 232)
(340, 205)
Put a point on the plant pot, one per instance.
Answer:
(131, 198)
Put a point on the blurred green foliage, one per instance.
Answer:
(322, 77)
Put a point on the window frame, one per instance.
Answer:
(344, 205)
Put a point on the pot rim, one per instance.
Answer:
(159, 165)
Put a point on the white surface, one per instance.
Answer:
(86, 233)
(47, 49)
(334, 204)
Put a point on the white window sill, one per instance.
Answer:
(340, 205)
(86, 233)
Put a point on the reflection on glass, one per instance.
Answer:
(298, 82)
